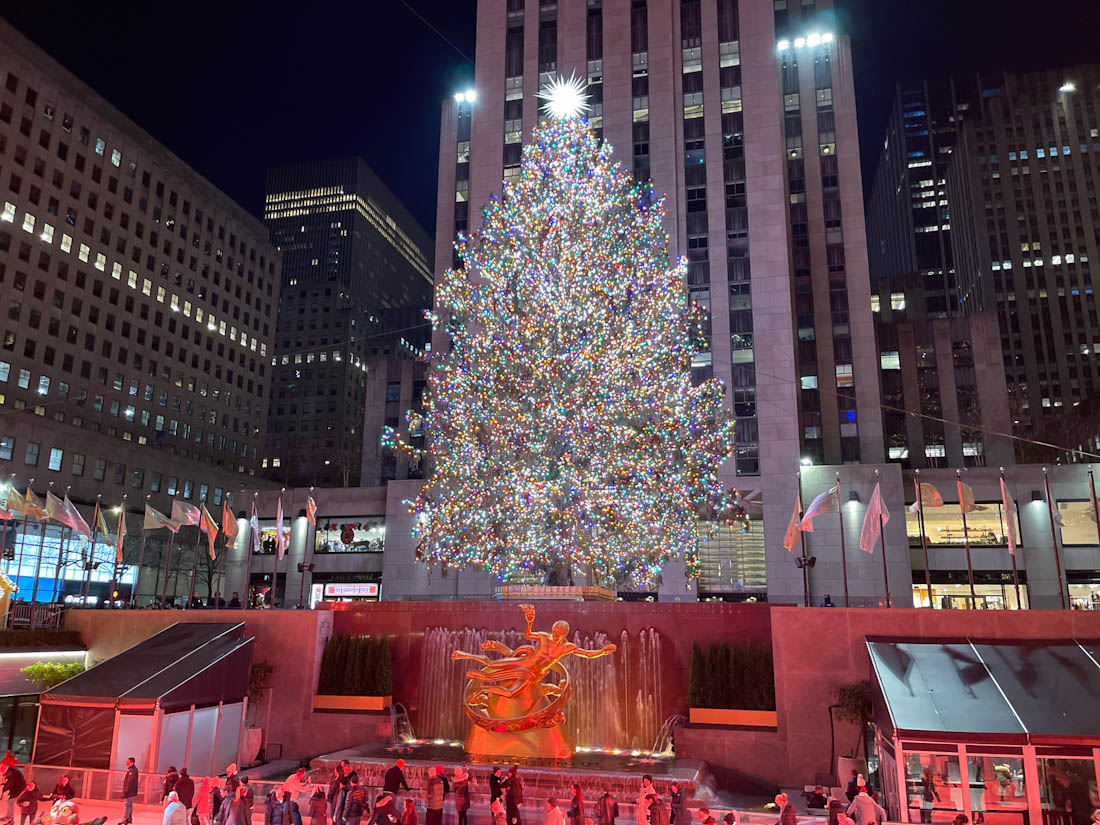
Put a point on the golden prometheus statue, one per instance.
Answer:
(513, 711)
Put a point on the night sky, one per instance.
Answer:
(233, 88)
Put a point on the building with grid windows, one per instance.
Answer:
(357, 275)
(138, 304)
(742, 113)
(1023, 183)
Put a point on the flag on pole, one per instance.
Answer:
(186, 514)
(827, 502)
(33, 506)
(873, 521)
(254, 524)
(966, 498)
(101, 522)
(121, 532)
(280, 545)
(80, 525)
(64, 513)
(929, 497)
(207, 524)
(791, 537)
(154, 520)
(229, 521)
(311, 510)
(1010, 518)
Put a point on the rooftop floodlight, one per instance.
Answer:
(470, 95)
(1068, 86)
(813, 39)
(783, 45)
(827, 37)
(799, 42)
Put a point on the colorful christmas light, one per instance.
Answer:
(562, 426)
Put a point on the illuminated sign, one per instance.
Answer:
(343, 591)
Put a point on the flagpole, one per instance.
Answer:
(1054, 538)
(923, 538)
(1092, 492)
(167, 569)
(248, 562)
(966, 541)
(88, 566)
(801, 536)
(882, 537)
(141, 554)
(195, 558)
(1015, 571)
(221, 555)
(843, 549)
(65, 544)
(118, 552)
(22, 545)
(311, 520)
(38, 562)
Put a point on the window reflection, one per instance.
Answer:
(1078, 522)
(998, 793)
(933, 787)
(1067, 790)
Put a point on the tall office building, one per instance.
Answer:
(356, 267)
(743, 114)
(1023, 184)
(139, 302)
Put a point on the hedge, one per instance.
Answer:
(739, 676)
(356, 666)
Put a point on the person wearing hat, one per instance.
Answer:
(461, 790)
(658, 813)
(395, 778)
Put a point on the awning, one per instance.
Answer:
(187, 663)
(1017, 692)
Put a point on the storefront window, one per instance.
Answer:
(933, 784)
(1078, 522)
(1067, 790)
(944, 526)
(997, 789)
(363, 534)
(1000, 596)
(1085, 596)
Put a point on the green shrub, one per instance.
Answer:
(46, 675)
(356, 666)
(738, 676)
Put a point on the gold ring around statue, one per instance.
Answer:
(546, 717)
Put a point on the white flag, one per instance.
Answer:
(254, 523)
(1010, 518)
(827, 502)
(873, 521)
(791, 537)
(185, 513)
(280, 544)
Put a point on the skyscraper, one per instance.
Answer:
(1023, 184)
(139, 302)
(357, 266)
(743, 115)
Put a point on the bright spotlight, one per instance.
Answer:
(813, 40)
(470, 95)
(799, 42)
(1068, 86)
(783, 45)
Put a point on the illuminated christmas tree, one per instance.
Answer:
(562, 424)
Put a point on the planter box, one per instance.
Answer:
(737, 718)
(351, 704)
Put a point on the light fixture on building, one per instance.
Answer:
(468, 96)
(1036, 495)
(853, 495)
(799, 42)
(783, 45)
(807, 462)
(1068, 86)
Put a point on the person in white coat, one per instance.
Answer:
(175, 812)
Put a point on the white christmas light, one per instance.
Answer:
(565, 97)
